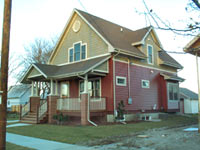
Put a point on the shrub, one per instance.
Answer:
(60, 118)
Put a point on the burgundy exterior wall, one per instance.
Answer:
(107, 87)
(143, 98)
(74, 88)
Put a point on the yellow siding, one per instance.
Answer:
(95, 45)
(103, 67)
(34, 72)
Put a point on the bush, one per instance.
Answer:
(60, 118)
(120, 111)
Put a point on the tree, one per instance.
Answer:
(191, 26)
(38, 52)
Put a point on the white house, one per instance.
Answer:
(18, 94)
(190, 101)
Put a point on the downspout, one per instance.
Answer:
(114, 96)
(86, 91)
(129, 95)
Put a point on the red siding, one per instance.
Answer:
(143, 98)
(74, 88)
(107, 87)
(163, 93)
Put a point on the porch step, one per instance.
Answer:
(28, 121)
(31, 118)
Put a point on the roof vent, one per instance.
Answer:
(121, 29)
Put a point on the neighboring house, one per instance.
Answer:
(111, 63)
(190, 101)
(18, 94)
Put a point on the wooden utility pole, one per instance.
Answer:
(4, 71)
(197, 64)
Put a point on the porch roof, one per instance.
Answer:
(168, 76)
(46, 72)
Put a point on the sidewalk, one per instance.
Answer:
(41, 144)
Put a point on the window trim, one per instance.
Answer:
(168, 84)
(145, 86)
(121, 77)
(65, 82)
(81, 44)
(148, 45)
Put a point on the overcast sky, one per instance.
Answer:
(33, 19)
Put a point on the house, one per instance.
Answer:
(190, 101)
(18, 95)
(106, 63)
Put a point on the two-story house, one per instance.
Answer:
(109, 63)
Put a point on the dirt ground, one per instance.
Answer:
(157, 139)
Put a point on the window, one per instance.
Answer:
(172, 91)
(77, 52)
(71, 53)
(93, 87)
(65, 89)
(83, 52)
(145, 84)
(150, 54)
(121, 81)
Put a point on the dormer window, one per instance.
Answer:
(150, 54)
(77, 52)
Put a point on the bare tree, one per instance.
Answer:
(191, 26)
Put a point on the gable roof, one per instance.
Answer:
(188, 93)
(18, 90)
(68, 70)
(120, 38)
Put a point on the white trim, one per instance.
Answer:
(107, 54)
(121, 51)
(146, 87)
(33, 76)
(121, 84)
(191, 42)
(102, 71)
(149, 45)
(71, 48)
(144, 66)
(40, 71)
(168, 84)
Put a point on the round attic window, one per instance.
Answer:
(76, 26)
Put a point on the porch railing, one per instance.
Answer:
(69, 104)
(41, 110)
(25, 109)
(74, 104)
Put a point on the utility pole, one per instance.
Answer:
(197, 64)
(4, 72)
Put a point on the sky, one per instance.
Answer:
(32, 19)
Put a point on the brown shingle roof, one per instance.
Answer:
(113, 34)
(168, 60)
(124, 39)
(70, 69)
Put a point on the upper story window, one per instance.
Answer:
(77, 52)
(150, 54)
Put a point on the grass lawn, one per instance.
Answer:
(10, 146)
(80, 134)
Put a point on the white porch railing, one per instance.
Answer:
(25, 109)
(74, 104)
(42, 109)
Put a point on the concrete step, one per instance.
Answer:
(28, 121)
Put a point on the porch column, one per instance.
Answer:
(86, 84)
(56, 87)
(32, 89)
(51, 87)
(36, 88)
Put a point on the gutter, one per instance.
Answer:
(88, 118)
